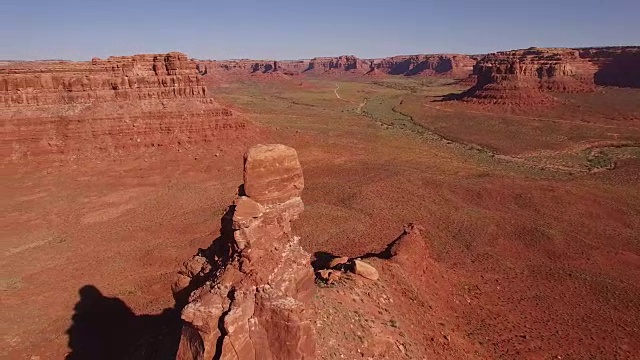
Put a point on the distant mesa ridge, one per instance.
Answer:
(409, 65)
(558, 69)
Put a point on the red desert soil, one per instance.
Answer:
(519, 261)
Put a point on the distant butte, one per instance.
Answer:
(530, 76)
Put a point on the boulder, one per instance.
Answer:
(365, 270)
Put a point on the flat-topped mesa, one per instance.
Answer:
(111, 105)
(137, 77)
(340, 63)
(250, 292)
(528, 76)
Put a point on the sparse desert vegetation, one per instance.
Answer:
(498, 230)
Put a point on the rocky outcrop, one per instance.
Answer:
(409, 247)
(248, 295)
(523, 77)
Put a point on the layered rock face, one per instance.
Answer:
(248, 295)
(138, 77)
(116, 104)
(453, 65)
(527, 76)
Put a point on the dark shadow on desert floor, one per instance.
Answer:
(106, 328)
(322, 259)
(456, 96)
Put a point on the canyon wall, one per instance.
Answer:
(113, 104)
(339, 64)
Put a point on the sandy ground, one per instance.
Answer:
(537, 263)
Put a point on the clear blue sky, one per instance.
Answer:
(287, 29)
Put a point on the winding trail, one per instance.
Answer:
(360, 106)
(336, 92)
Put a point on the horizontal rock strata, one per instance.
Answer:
(113, 104)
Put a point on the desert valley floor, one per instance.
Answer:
(531, 216)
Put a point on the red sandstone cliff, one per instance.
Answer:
(112, 105)
(527, 76)
(249, 294)
(138, 77)
(249, 67)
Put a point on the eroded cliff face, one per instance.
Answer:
(248, 295)
(531, 76)
(338, 64)
(137, 77)
(115, 104)
(528, 76)
(454, 65)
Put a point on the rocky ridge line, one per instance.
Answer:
(448, 65)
